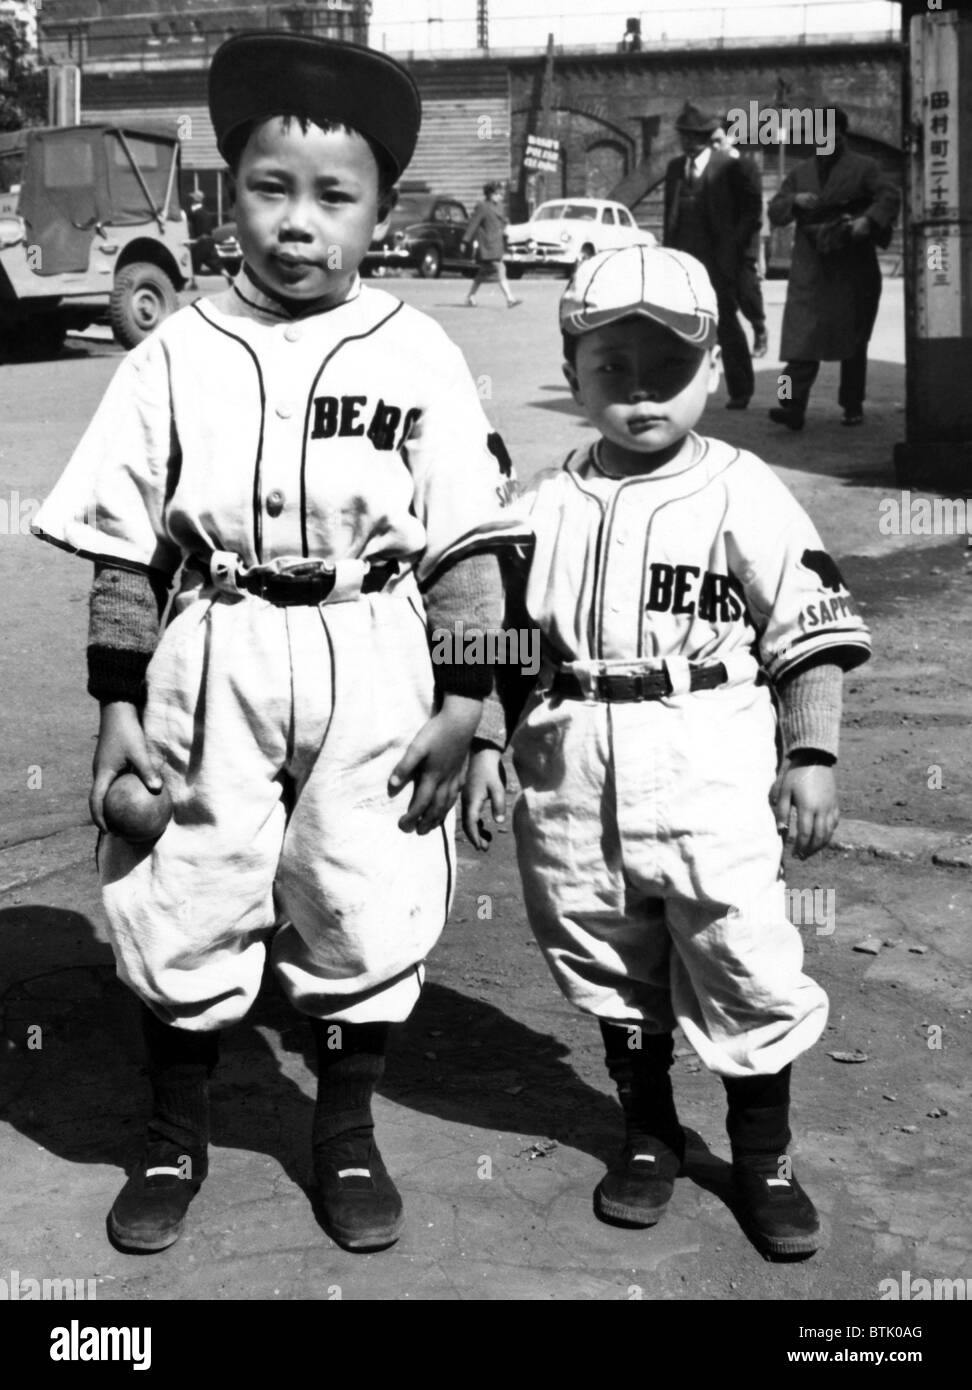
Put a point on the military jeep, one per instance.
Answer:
(91, 230)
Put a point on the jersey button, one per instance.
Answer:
(292, 333)
(275, 502)
(285, 409)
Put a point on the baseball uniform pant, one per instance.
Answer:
(278, 729)
(650, 861)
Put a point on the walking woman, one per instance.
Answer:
(488, 222)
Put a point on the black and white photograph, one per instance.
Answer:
(486, 775)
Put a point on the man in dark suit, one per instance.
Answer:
(712, 210)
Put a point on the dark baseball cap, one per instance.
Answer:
(267, 72)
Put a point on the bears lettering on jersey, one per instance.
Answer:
(718, 598)
(345, 416)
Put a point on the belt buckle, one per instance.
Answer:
(600, 687)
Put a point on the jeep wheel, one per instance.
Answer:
(142, 296)
(430, 264)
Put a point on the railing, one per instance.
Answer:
(602, 28)
(156, 39)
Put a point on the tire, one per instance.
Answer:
(430, 263)
(141, 298)
(586, 252)
(514, 272)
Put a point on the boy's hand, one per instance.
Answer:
(435, 760)
(485, 781)
(809, 789)
(121, 744)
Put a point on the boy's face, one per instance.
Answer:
(643, 388)
(306, 208)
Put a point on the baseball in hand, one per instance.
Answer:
(133, 812)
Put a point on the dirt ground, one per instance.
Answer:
(496, 1115)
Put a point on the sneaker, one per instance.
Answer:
(760, 344)
(775, 1212)
(791, 418)
(514, 303)
(361, 1208)
(638, 1186)
(150, 1210)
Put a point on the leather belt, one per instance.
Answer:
(308, 584)
(615, 688)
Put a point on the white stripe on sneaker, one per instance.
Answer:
(167, 1172)
(645, 1158)
(777, 1182)
(354, 1172)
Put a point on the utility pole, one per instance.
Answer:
(937, 126)
(546, 113)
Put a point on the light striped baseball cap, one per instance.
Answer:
(655, 282)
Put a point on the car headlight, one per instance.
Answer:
(13, 230)
(400, 238)
(565, 237)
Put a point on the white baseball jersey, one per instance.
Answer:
(348, 436)
(355, 433)
(648, 848)
(707, 558)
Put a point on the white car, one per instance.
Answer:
(568, 230)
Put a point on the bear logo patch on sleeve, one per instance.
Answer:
(824, 568)
(497, 448)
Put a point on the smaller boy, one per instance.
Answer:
(678, 587)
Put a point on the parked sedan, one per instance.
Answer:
(568, 230)
(423, 233)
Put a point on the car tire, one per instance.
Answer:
(586, 252)
(142, 297)
(430, 263)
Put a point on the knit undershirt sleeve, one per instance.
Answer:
(123, 632)
(810, 709)
(466, 600)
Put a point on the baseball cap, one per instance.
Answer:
(265, 73)
(653, 282)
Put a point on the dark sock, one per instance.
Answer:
(641, 1074)
(759, 1114)
(180, 1064)
(350, 1065)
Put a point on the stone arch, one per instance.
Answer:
(606, 164)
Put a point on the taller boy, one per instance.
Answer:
(310, 457)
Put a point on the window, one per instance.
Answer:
(625, 218)
(457, 214)
(441, 213)
(68, 163)
(608, 216)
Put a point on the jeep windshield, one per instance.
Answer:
(576, 212)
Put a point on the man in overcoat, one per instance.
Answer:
(844, 206)
(712, 210)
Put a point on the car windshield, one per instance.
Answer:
(577, 212)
